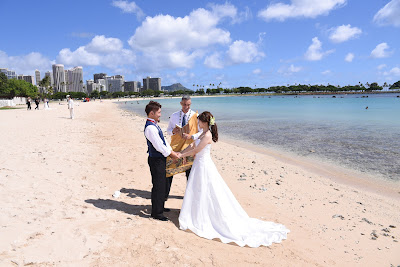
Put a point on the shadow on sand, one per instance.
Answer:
(142, 193)
(143, 211)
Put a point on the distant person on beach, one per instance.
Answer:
(209, 208)
(71, 106)
(37, 101)
(46, 103)
(183, 129)
(28, 103)
(158, 150)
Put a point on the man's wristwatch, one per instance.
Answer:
(192, 137)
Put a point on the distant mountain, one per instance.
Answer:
(174, 87)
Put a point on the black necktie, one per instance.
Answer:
(184, 120)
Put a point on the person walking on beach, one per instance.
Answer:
(28, 103)
(158, 150)
(183, 129)
(71, 106)
(37, 103)
(209, 208)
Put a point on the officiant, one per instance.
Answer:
(183, 129)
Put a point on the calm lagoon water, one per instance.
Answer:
(338, 130)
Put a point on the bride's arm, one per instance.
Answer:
(190, 147)
(204, 141)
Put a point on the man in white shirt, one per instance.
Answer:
(180, 118)
(158, 150)
(71, 106)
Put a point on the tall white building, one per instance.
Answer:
(37, 76)
(92, 86)
(74, 79)
(59, 78)
(103, 85)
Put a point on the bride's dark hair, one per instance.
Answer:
(206, 117)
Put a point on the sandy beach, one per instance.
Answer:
(57, 178)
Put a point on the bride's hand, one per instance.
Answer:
(187, 136)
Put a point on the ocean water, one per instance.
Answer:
(340, 130)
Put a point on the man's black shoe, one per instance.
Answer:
(167, 210)
(162, 218)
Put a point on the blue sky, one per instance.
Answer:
(235, 43)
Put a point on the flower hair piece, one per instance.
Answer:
(212, 121)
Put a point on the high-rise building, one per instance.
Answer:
(115, 83)
(152, 83)
(89, 86)
(49, 74)
(28, 79)
(92, 86)
(59, 78)
(98, 76)
(74, 79)
(9, 73)
(37, 76)
(131, 87)
(102, 85)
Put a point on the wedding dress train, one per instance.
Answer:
(210, 210)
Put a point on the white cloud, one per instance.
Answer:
(389, 14)
(25, 64)
(256, 71)
(244, 52)
(343, 33)
(349, 57)
(289, 70)
(101, 51)
(166, 41)
(381, 66)
(300, 8)
(214, 61)
(380, 51)
(393, 72)
(78, 57)
(326, 72)
(239, 52)
(127, 7)
(101, 44)
(314, 51)
(292, 68)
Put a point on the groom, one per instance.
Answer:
(158, 151)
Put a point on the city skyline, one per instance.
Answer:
(255, 44)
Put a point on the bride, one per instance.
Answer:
(209, 208)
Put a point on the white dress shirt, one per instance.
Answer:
(71, 104)
(177, 118)
(153, 136)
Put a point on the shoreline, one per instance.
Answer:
(337, 173)
(334, 171)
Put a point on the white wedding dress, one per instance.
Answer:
(210, 210)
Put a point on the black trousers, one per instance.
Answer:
(169, 183)
(157, 169)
